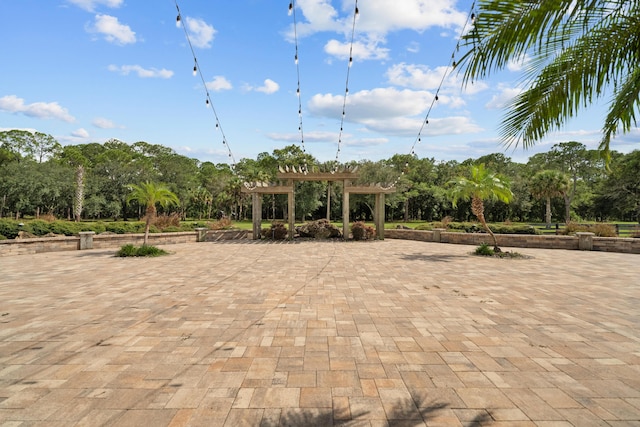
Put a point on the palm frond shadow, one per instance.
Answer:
(404, 413)
(435, 258)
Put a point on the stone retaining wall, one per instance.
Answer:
(89, 240)
(586, 241)
(605, 244)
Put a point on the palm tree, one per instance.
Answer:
(149, 194)
(482, 185)
(547, 184)
(575, 51)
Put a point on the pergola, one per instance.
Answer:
(287, 178)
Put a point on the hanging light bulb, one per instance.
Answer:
(195, 70)
(178, 19)
(296, 60)
(290, 8)
(350, 61)
(436, 97)
(207, 102)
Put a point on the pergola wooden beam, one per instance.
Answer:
(290, 177)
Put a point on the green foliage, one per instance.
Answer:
(65, 227)
(599, 229)
(140, 251)
(361, 231)
(484, 250)
(121, 227)
(39, 227)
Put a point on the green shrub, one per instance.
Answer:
(427, 227)
(66, 227)
(171, 229)
(144, 250)
(9, 228)
(513, 229)
(38, 227)
(600, 230)
(125, 227)
(361, 231)
(2, 237)
(484, 250)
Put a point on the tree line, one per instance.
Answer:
(39, 176)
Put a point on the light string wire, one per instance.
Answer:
(451, 66)
(356, 13)
(197, 70)
(292, 11)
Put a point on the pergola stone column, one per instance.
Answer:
(290, 177)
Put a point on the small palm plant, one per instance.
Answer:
(482, 185)
(149, 194)
(547, 184)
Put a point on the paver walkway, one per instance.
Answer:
(390, 332)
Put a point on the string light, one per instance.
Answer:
(197, 70)
(292, 11)
(471, 17)
(356, 13)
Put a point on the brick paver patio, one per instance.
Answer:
(378, 333)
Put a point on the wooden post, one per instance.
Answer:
(257, 215)
(292, 214)
(345, 211)
(379, 215)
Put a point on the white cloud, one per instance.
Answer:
(80, 133)
(112, 30)
(200, 33)
(518, 64)
(377, 103)
(90, 5)
(219, 83)
(40, 110)
(418, 76)
(268, 87)
(141, 72)
(103, 123)
(313, 136)
(361, 50)
(503, 97)
(379, 16)
(404, 126)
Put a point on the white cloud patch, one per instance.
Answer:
(377, 103)
(144, 73)
(379, 16)
(219, 83)
(103, 123)
(80, 133)
(309, 137)
(200, 33)
(503, 97)
(40, 110)
(269, 87)
(361, 50)
(90, 5)
(418, 76)
(519, 64)
(112, 30)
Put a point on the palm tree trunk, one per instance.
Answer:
(548, 212)
(477, 207)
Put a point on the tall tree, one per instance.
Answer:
(149, 194)
(547, 184)
(579, 51)
(482, 185)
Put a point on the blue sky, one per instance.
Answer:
(89, 70)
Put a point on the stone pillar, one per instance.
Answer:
(585, 241)
(437, 234)
(86, 240)
(379, 215)
(292, 214)
(201, 234)
(256, 215)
